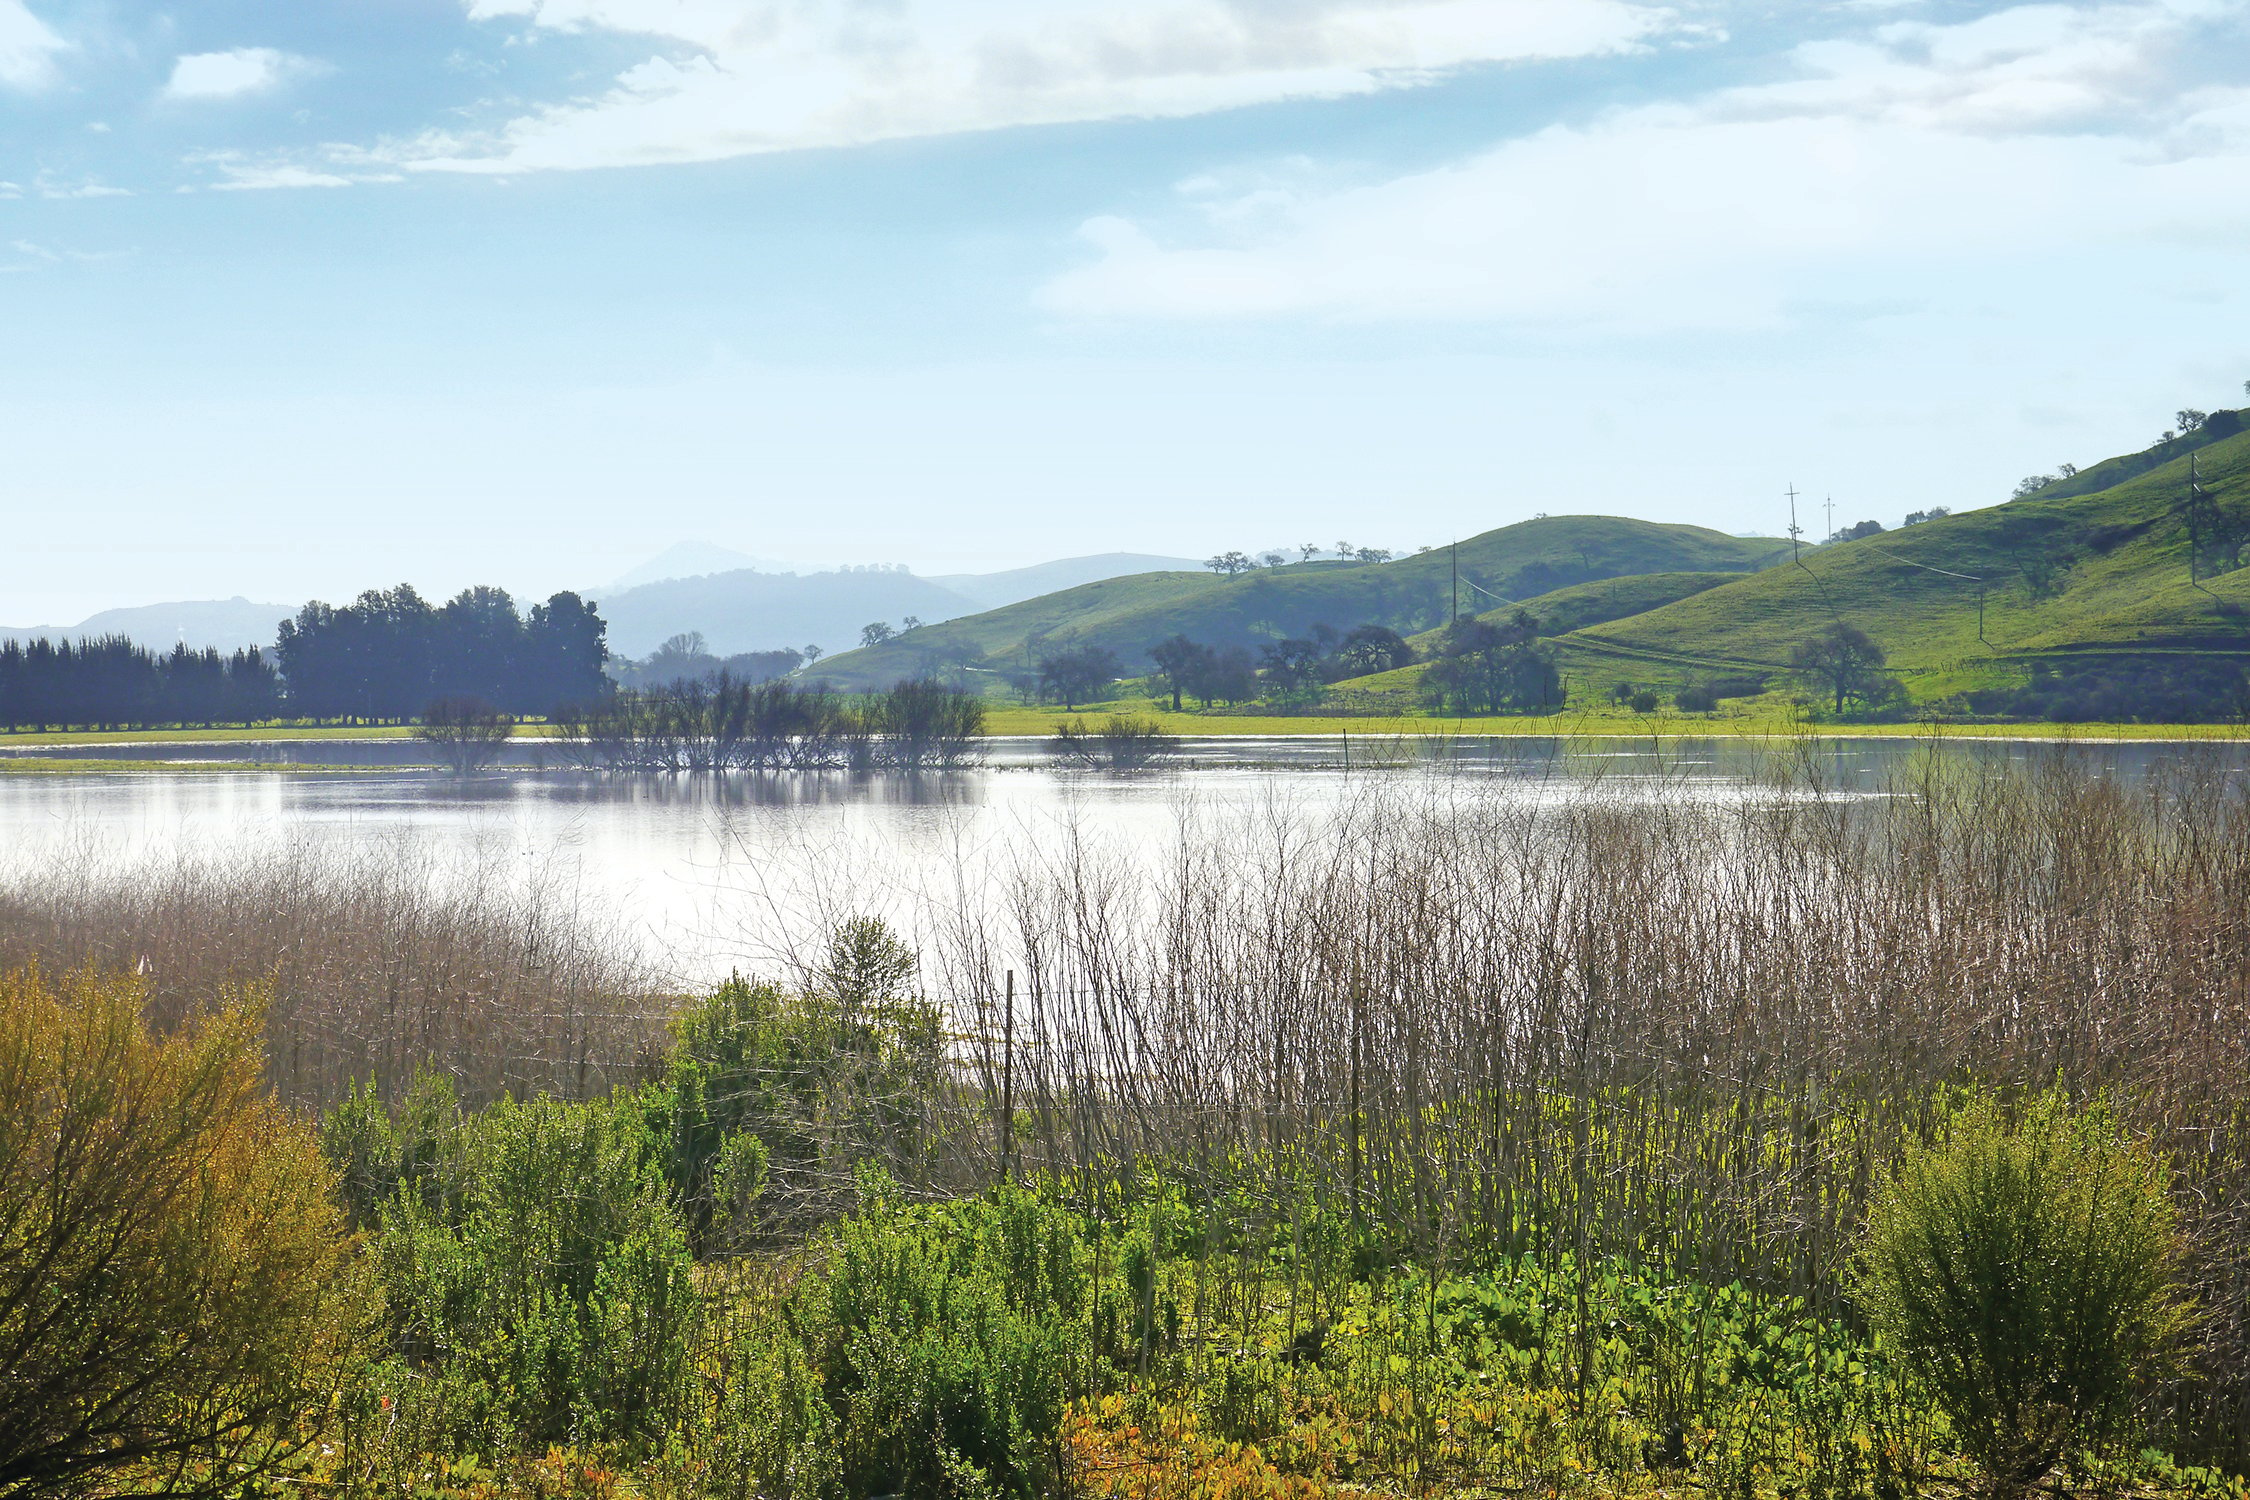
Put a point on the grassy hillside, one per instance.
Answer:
(2103, 572)
(1563, 610)
(1129, 615)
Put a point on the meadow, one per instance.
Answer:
(1438, 1144)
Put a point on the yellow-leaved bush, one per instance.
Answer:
(179, 1292)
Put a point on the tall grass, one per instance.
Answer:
(376, 961)
(1684, 1029)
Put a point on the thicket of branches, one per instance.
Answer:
(724, 724)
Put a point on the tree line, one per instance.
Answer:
(385, 657)
(109, 682)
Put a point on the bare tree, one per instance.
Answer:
(468, 734)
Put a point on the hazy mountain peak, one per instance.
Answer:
(696, 558)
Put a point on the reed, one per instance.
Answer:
(375, 961)
(1680, 1027)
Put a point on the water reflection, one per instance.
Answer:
(724, 869)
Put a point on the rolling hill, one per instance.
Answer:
(2106, 572)
(1129, 615)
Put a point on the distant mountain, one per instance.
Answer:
(692, 559)
(1129, 615)
(753, 610)
(992, 590)
(228, 624)
(748, 610)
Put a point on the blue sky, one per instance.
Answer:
(298, 300)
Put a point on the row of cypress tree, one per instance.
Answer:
(382, 658)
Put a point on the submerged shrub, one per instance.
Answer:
(2027, 1270)
(178, 1291)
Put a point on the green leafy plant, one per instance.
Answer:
(2027, 1270)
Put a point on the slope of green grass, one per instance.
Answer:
(1129, 615)
(2100, 572)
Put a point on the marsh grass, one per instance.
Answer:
(1684, 1028)
(380, 960)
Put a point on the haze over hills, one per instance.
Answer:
(753, 610)
(1129, 615)
(226, 624)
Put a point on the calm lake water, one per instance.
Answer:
(717, 871)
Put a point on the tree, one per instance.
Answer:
(1373, 648)
(1307, 551)
(1230, 677)
(1934, 513)
(566, 647)
(2190, 420)
(178, 1288)
(1291, 666)
(1077, 673)
(2032, 484)
(468, 734)
(1180, 661)
(1486, 668)
(1344, 551)
(1230, 563)
(911, 622)
(875, 634)
(813, 653)
(1844, 662)
(1856, 530)
(1373, 554)
(1272, 559)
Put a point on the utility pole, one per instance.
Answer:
(1449, 619)
(1830, 503)
(1795, 531)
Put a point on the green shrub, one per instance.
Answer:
(821, 1080)
(2027, 1271)
(538, 1268)
(944, 1339)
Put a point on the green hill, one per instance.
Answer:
(2106, 572)
(1408, 594)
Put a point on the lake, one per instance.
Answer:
(718, 871)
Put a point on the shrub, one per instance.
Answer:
(944, 1340)
(177, 1288)
(2027, 1272)
(536, 1264)
(1697, 698)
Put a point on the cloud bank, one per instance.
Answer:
(27, 47)
(2032, 131)
(736, 80)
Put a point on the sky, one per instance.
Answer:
(298, 300)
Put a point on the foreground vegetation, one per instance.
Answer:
(1458, 1144)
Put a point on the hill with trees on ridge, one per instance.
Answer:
(1262, 604)
(2137, 592)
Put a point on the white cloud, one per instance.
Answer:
(740, 80)
(241, 173)
(27, 47)
(232, 75)
(2025, 133)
